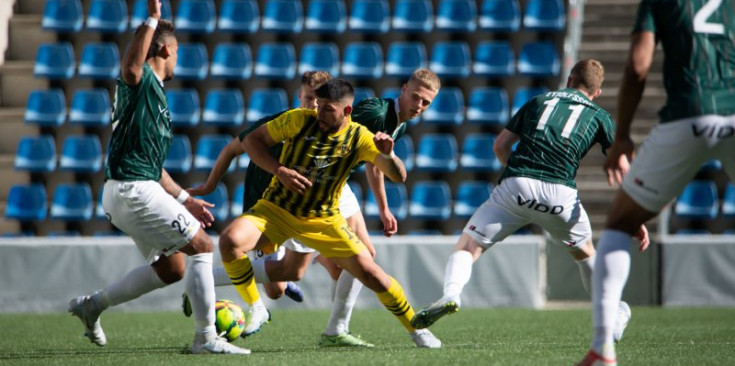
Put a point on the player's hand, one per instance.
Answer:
(383, 142)
(642, 235)
(618, 157)
(200, 209)
(292, 180)
(390, 224)
(154, 9)
(201, 190)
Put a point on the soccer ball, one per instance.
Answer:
(229, 319)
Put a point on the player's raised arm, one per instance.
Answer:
(234, 149)
(137, 52)
(377, 185)
(256, 145)
(390, 164)
(503, 145)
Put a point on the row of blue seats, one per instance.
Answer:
(700, 200)
(429, 200)
(226, 107)
(361, 60)
(322, 16)
(83, 154)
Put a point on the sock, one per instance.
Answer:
(333, 290)
(586, 266)
(612, 267)
(137, 282)
(457, 273)
(240, 272)
(261, 276)
(395, 301)
(220, 277)
(200, 288)
(348, 288)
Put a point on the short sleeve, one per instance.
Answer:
(515, 124)
(244, 133)
(606, 135)
(370, 113)
(288, 124)
(366, 146)
(644, 19)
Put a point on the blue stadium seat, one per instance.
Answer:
(538, 59)
(90, 107)
(319, 57)
(370, 16)
(224, 107)
(195, 16)
(99, 209)
(523, 95)
(193, 62)
(403, 147)
(478, 154)
(404, 58)
(179, 155)
(544, 15)
(437, 153)
(232, 61)
(46, 107)
(221, 209)
(283, 16)
(447, 107)
(326, 16)
(54, 61)
(140, 12)
(451, 59)
(424, 232)
(357, 191)
(63, 234)
(470, 195)
(208, 148)
(488, 106)
(266, 102)
(72, 202)
(456, 16)
(62, 16)
(363, 93)
(363, 61)
(238, 199)
(500, 16)
(81, 154)
(239, 16)
(397, 198)
(108, 16)
(100, 61)
(183, 104)
(711, 166)
(728, 201)
(36, 154)
(415, 16)
(27, 202)
(276, 61)
(698, 201)
(692, 232)
(430, 201)
(494, 59)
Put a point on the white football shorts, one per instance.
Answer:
(517, 202)
(157, 223)
(673, 153)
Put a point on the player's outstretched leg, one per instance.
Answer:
(430, 314)
(88, 312)
(395, 301)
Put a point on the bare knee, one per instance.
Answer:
(170, 274)
(275, 290)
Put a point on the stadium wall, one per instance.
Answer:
(42, 274)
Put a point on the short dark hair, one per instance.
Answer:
(335, 89)
(164, 30)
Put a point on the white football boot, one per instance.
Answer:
(621, 321)
(86, 310)
(217, 345)
(425, 339)
(257, 316)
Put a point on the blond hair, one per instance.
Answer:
(315, 79)
(426, 78)
(587, 75)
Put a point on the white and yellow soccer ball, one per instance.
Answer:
(229, 319)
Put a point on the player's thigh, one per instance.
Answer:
(357, 223)
(364, 268)
(241, 236)
(332, 237)
(157, 223)
(566, 221)
(332, 268)
(494, 220)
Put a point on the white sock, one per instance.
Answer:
(457, 274)
(261, 276)
(220, 277)
(612, 267)
(333, 290)
(586, 266)
(348, 288)
(137, 282)
(200, 288)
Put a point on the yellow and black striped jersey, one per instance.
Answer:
(325, 159)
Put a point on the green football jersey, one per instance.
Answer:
(141, 130)
(556, 131)
(698, 38)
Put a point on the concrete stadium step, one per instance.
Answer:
(13, 129)
(16, 82)
(25, 36)
(30, 6)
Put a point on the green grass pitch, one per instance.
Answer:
(655, 336)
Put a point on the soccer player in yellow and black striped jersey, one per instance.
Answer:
(321, 147)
